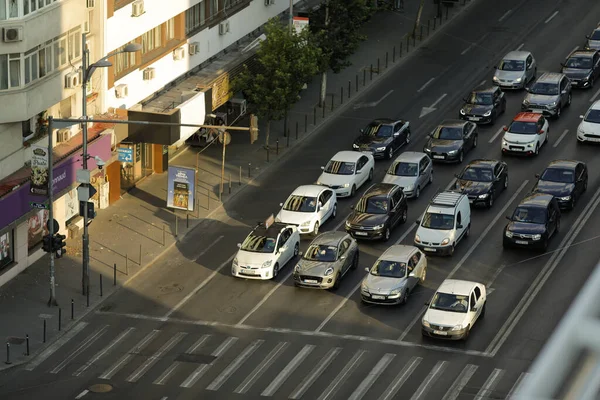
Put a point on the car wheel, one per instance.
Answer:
(422, 280)
(461, 157)
(316, 228)
(503, 106)
(544, 246)
(334, 212)
(468, 232)
(386, 234)
(557, 227)
(404, 216)
(558, 111)
(482, 314)
(537, 150)
(353, 191)
(275, 270)
(569, 100)
(336, 284)
(370, 175)
(431, 177)
(452, 250)
(475, 141)
(417, 192)
(585, 185)
(490, 201)
(405, 297)
(355, 261)
(573, 201)
(506, 182)
(296, 249)
(467, 331)
(390, 153)
(493, 119)
(591, 83)
(407, 140)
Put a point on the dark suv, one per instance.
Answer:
(535, 220)
(379, 210)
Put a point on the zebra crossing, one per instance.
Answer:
(269, 366)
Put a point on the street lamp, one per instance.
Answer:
(88, 70)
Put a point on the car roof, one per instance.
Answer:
(398, 251)
(347, 156)
(517, 55)
(272, 231)
(382, 121)
(565, 164)
(527, 117)
(536, 199)
(379, 189)
(482, 163)
(490, 89)
(550, 77)
(453, 122)
(331, 238)
(308, 190)
(583, 53)
(409, 156)
(455, 286)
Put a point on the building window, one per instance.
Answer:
(74, 43)
(151, 40)
(214, 8)
(12, 9)
(9, 9)
(6, 249)
(170, 29)
(195, 17)
(124, 61)
(31, 65)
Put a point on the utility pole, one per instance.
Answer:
(85, 276)
(324, 74)
(291, 15)
(52, 301)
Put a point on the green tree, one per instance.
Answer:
(286, 61)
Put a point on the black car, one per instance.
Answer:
(383, 137)
(564, 179)
(484, 105)
(535, 220)
(582, 67)
(379, 210)
(451, 140)
(482, 181)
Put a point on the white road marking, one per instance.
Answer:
(561, 138)
(261, 368)
(506, 14)
(207, 248)
(202, 368)
(452, 182)
(316, 373)
(482, 83)
(149, 363)
(199, 287)
(429, 380)
(412, 323)
(496, 135)
(235, 365)
(288, 370)
(430, 109)
(80, 395)
(266, 297)
(517, 384)
(554, 14)
(164, 377)
(460, 382)
(595, 96)
(490, 384)
(493, 278)
(55, 346)
(383, 98)
(338, 308)
(164, 398)
(343, 375)
(80, 349)
(574, 49)
(104, 351)
(406, 233)
(465, 51)
(401, 378)
(520, 46)
(425, 85)
(372, 376)
(112, 370)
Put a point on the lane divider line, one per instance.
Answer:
(496, 135)
(266, 297)
(560, 138)
(506, 14)
(520, 46)
(339, 307)
(595, 96)
(554, 14)
(425, 85)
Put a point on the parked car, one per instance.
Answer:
(527, 133)
(347, 171)
(484, 105)
(589, 128)
(516, 70)
(582, 67)
(383, 137)
(593, 39)
(411, 171)
(451, 140)
(482, 181)
(566, 180)
(308, 207)
(548, 95)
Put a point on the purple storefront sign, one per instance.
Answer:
(16, 204)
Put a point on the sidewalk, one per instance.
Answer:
(135, 231)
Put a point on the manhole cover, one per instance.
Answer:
(170, 288)
(100, 388)
(228, 309)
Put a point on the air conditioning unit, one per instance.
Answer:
(223, 27)
(148, 74)
(91, 3)
(121, 91)
(12, 34)
(63, 135)
(269, 2)
(194, 48)
(178, 53)
(238, 107)
(72, 80)
(137, 8)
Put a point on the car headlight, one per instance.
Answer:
(395, 291)
(487, 114)
(565, 198)
(347, 224)
(495, 79)
(409, 188)
(425, 323)
(525, 103)
(364, 288)
(457, 327)
(235, 262)
(536, 237)
(328, 271)
(426, 150)
(508, 234)
(267, 264)
(297, 269)
(452, 152)
(531, 144)
(445, 241)
(518, 80)
(483, 196)
(378, 226)
(380, 149)
(553, 104)
(354, 146)
(417, 239)
(462, 112)
(504, 143)
(346, 185)
(307, 223)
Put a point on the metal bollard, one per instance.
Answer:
(7, 362)
(268, 153)
(187, 226)
(101, 294)
(400, 52)
(249, 170)
(315, 115)
(176, 225)
(428, 25)
(371, 76)
(356, 87)
(434, 23)
(341, 95)
(60, 318)
(364, 77)
(407, 43)
(87, 292)
(447, 8)
(230, 183)
(114, 276)
(27, 345)
(44, 335)
(378, 66)
(349, 89)
(332, 101)
(277, 147)
(414, 40)
(305, 123)
(386, 59)
(394, 54)
(164, 233)
(240, 181)
(73, 305)
(324, 107)
(421, 33)
(287, 144)
(127, 260)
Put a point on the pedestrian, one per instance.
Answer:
(399, 5)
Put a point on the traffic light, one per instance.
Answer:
(253, 128)
(58, 244)
(47, 243)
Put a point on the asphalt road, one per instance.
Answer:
(251, 339)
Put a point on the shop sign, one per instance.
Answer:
(220, 91)
(39, 171)
(125, 154)
(181, 188)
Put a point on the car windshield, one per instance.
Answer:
(512, 65)
(478, 174)
(525, 128)
(340, 167)
(438, 221)
(481, 98)
(389, 269)
(373, 205)
(579, 63)
(259, 244)
(531, 215)
(448, 133)
(404, 169)
(595, 35)
(593, 116)
(558, 175)
(545, 89)
(450, 302)
(378, 130)
(300, 204)
(321, 252)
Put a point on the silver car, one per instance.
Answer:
(548, 95)
(411, 171)
(326, 261)
(394, 275)
(515, 71)
(593, 40)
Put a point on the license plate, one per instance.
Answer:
(429, 249)
(375, 297)
(311, 281)
(438, 157)
(360, 233)
(520, 242)
(251, 272)
(441, 333)
(474, 118)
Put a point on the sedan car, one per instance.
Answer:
(589, 129)
(582, 67)
(379, 210)
(383, 137)
(326, 261)
(548, 95)
(482, 181)
(394, 275)
(593, 39)
(451, 140)
(515, 71)
(265, 251)
(526, 134)
(347, 171)
(411, 171)
(564, 179)
(308, 207)
(454, 309)
(484, 105)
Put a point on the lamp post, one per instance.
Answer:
(88, 71)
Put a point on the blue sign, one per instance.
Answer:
(125, 154)
(181, 185)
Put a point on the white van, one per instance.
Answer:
(445, 222)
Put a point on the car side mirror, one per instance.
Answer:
(358, 171)
(239, 245)
(457, 176)
(417, 222)
(497, 179)
(352, 207)
(342, 257)
(495, 67)
(427, 303)
(527, 88)
(396, 133)
(465, 99)
(323, 168)
(563, 65)
(367, 269)
(459, 226)
(300, 253)
(564, 92)
(581, 116)
(537, 176)
(587, 36)
(505, 128)
(282, 249)
(474, 309)
(280, 204)
(508, 217)
(362, 131)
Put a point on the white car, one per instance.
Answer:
(527, 133)
(347, 171)
(454, 309)
(265, 251)
(308, 207)
(589, 128)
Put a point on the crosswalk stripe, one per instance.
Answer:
(55, 346)
(235, 364)
(490, 384)
(199, 343)
(116, 367)
(343, 375)
(460, 382)
(82, 347)
(103, 352)
(288, 370)
(310, 379)
(429, 380)
(164, 377)
(372, 377)
(517, 384)
(149, 363)
(402, 377)
(261, 368)
(202, 368)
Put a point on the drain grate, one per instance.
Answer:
(100, 388)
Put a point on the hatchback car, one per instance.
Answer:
(454, 309)
(265, 251)
(582, 67)
(451, 140)
(411, 171)
(394, 276)
(379, 210)
(326, 261)
(548, 95)
(515, 71)
(593, 39)
(535, 220)
(347, 171)
(383, 137)
(527, 133)
(308, 207)
(484, 105)
(589, 128)
(564, 179)
(482, 181)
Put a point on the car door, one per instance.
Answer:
(411, 273)
(421, 265)
(529, 68)
(551, 220)
(280, 252)
(322, 209)
(468, 135)
(579, 179)
(398, 138)
(479, 301)
(565, 88)
(423, 172)
(497, 185)
(343, 255)
(596, 65)
(542, 126)
(396, 206)
(473, 310)
(361, 165)
(289, 251)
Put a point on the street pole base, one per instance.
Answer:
(52, 302)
